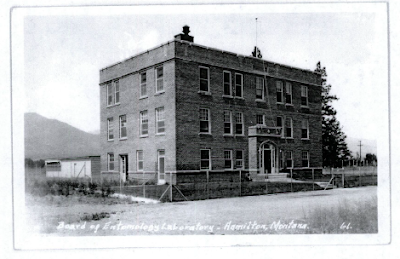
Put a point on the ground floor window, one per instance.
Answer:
(289, 159)
(239, 159)
(139, 160)
(228, 159)
(305, 159)
(205, 159)
(110, 161)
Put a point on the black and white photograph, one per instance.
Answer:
(200, 125)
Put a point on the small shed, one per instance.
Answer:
(77, 167)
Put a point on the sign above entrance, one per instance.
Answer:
(264, 131)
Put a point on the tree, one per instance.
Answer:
(333, 138)
(371, 159)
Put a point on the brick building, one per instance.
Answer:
(183, 106)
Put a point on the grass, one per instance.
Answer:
(345, 218)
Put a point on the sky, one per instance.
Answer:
(64, 49)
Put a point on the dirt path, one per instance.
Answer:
(242, 215)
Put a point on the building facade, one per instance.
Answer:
(183, 106)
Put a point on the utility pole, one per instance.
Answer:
(360, 151)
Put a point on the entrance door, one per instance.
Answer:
(123, 167)
(267, 161)
(161, 166)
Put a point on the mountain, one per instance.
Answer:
(49, 138)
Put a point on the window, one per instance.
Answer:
(279, 123)
(279, 92)
(205, 121)
(289, 159)
(110, 94)
(288, 93)
(205, 160)
(239, 123)
(227, 122)
(305, 159)
(144, 124)
(239, 85)
(304, 129)
(227, 84)
(204, 79)
(259, 88)
(110, 161)
(260, 119)
(228, 159)
(143, 84)
(159, 79)
(160, 120)
(139, 160)
(116, 91)
(110, 129)
(304, 95)
(122, 127)
(289, 128)
(239, 159)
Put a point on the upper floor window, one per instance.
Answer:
(228, 159)
(227, 84)
(110, 129)
(160, 120)
(205, 126)
(288, 93)
(159, 79)
(228, 122)
(304, 95)
(239, 85)
(113, 93)
(260, 88)
(260, 119)
(289, 128)
(144, 123)
(304, 129)
(143, 84)
(239, 159)
(239, 123)
(110, 161)
(122, 127)
(116, 91)
(205, 159)
(204, 79)
(279, 91)
(139, 160)
(305, 159)
(279, 123)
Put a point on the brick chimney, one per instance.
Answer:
(185, 35)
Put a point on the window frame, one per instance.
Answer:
(160, 110)
(307, 128)
(110, 128)
(304, 94)
(207, 80)
(143, 84)
(229, 159)
(239, 86)
(263, 119)
(262, 89)
(120, 127)
(279, 93)
(289, 158)
(158, 79)
(302, 158)
(208, 159)
(288, 85)
(116, 92)
(143, 117)
(239, 115)
(110, 164)
(230, 123)
(291, 127)
(110, 93)
(139, 161)
(281, 124)
(241, 160)
(227, 83)
(208, 120)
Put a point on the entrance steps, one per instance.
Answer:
(270, 177)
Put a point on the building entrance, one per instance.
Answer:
(268, 159)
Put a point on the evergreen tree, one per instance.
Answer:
(333, 138)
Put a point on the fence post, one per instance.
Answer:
(144, 186)
(208, 193)
(240, 183)
(343, 179)
(312, 172)
(170, 187)
(359, 175)
(291, 180)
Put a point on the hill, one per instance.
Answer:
(50, 138)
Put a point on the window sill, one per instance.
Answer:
(143, 136)
(281, 103)
(228, 135)
(160, 134)
(227, 96)
(288, 104)
(110, 140)
(260, 100)
(159, 93)
(143, 97)
(122, 139)
(304, 107)
(239, 97)
(109, 106)
(205, 133)
(305, 138)
(240, 135)
(204, 92)
(289, 138)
